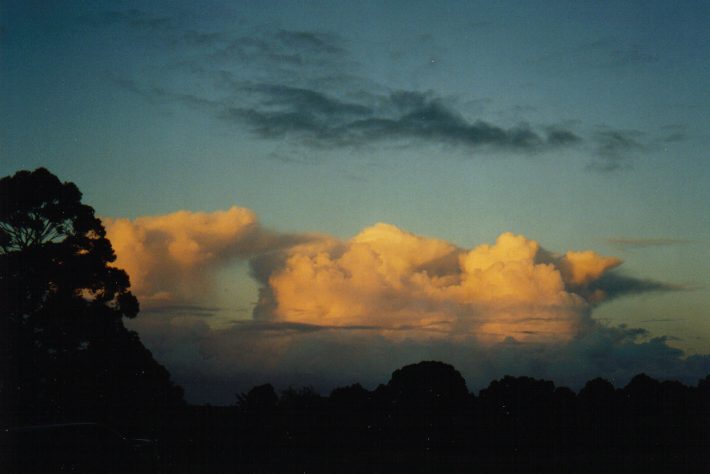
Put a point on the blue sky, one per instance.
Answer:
(579, 125)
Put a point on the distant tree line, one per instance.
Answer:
(425, 420)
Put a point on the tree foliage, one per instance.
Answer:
(425, 420)
(65, 346)
(52, 247)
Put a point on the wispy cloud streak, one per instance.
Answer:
(304, 86)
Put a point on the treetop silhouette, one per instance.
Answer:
(65, 350)
(51, 243)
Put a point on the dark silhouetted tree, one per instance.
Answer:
(260, 399)
(517, 412)
(428, 383)
(429, 411)
(424, 420)
(355, 424)
(65, 350)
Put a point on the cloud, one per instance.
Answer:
(382, 278)
(317, 119)
(673, 133)
(613, 285)
(172, 258)
(214, 364)
(333, 312)
(391, 279)
(614, 142)
(303, 85)
(283, 111)
(286, 326)
(614, 148)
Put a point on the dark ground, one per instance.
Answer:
(425, 420)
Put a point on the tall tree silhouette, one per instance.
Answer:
(65, 350)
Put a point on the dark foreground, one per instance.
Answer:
(423, 420)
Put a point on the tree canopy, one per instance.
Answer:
(65, 346)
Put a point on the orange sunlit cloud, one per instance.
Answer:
(383, 278)
(173, 256)
(392, 279)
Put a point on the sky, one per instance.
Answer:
(317, 193)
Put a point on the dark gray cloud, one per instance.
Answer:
(614, 148)
(308, 101)
(614, 284)
(611, 143)
(674, 137)
(284, 111)
(673, 133)
(289, 326)
(313, 94)
(304, 86)
(320, 119)
(561, 137)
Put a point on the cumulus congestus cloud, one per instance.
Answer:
(174, 257)
(393, 279)
(334, 311)
(384, 278)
